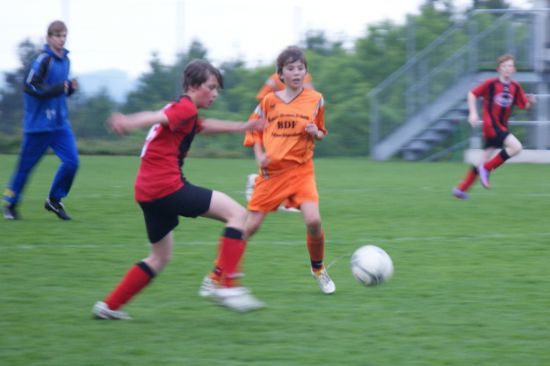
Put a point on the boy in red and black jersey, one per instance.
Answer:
(499, 94)
(164, 194)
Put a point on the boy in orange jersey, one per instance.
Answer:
(272, 84)
(284, 153)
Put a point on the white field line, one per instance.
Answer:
(334, 240)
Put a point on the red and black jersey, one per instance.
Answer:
(164, 150)
(498, 101)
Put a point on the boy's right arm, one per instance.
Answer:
(124, 123)
(211, 126)
(35, 83)
(473, 116)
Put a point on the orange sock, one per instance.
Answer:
(133, 282)
(232, 248)
(316, 249)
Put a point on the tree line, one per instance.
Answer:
(344, 75)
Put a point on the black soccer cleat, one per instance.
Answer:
(57, 208)
(10, 213)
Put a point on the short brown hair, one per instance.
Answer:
(289, 55)
(504, 58)
(197, 72)
(56, 27)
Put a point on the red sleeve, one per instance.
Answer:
(481, 89)
(182, 115)
(521, 99)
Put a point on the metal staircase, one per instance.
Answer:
(418, 108)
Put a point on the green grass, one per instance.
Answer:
(471, 283)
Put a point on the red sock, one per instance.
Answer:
(316, 249)
(232, 248)
(468, 180)
(133, 282)
(497, 161)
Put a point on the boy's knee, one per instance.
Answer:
(159, 261)
(314, 227)
(238, 218)
(514, 150)
(72, 165)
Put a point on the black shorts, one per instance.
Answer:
(497, 141)
(162, 215)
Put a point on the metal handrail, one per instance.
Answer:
(440, 40)
(401, 77)
(414, 60)
(460, 52)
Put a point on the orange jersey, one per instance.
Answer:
(273, 83)
(284, 139)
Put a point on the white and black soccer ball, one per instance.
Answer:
(371, 265)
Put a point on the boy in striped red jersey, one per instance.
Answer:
(499, 94)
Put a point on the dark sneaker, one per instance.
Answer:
(460, 194)
(483, 176)
(10, 213)
(57, 208)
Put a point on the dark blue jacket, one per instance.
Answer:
(45, 101)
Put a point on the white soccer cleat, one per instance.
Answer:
(324, 281)
(208, 286)
(102, 311)
(237, 298)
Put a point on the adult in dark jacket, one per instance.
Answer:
(46, 124)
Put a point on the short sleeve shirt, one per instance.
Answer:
(285, 140)
(498, 101)
(164, 151)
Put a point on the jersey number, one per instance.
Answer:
(150, 136)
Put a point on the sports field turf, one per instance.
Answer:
(471, 283)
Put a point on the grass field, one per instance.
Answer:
(471, 283)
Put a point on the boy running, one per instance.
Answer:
(164, 193)
(284, 150)
(499, 94)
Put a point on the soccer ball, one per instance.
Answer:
(371, 265)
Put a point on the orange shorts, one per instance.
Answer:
(294, 187)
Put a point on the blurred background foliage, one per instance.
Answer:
(344, 75)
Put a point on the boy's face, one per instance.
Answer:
(57, 40)
(506, 69)
(206, 93)
(293, 74)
